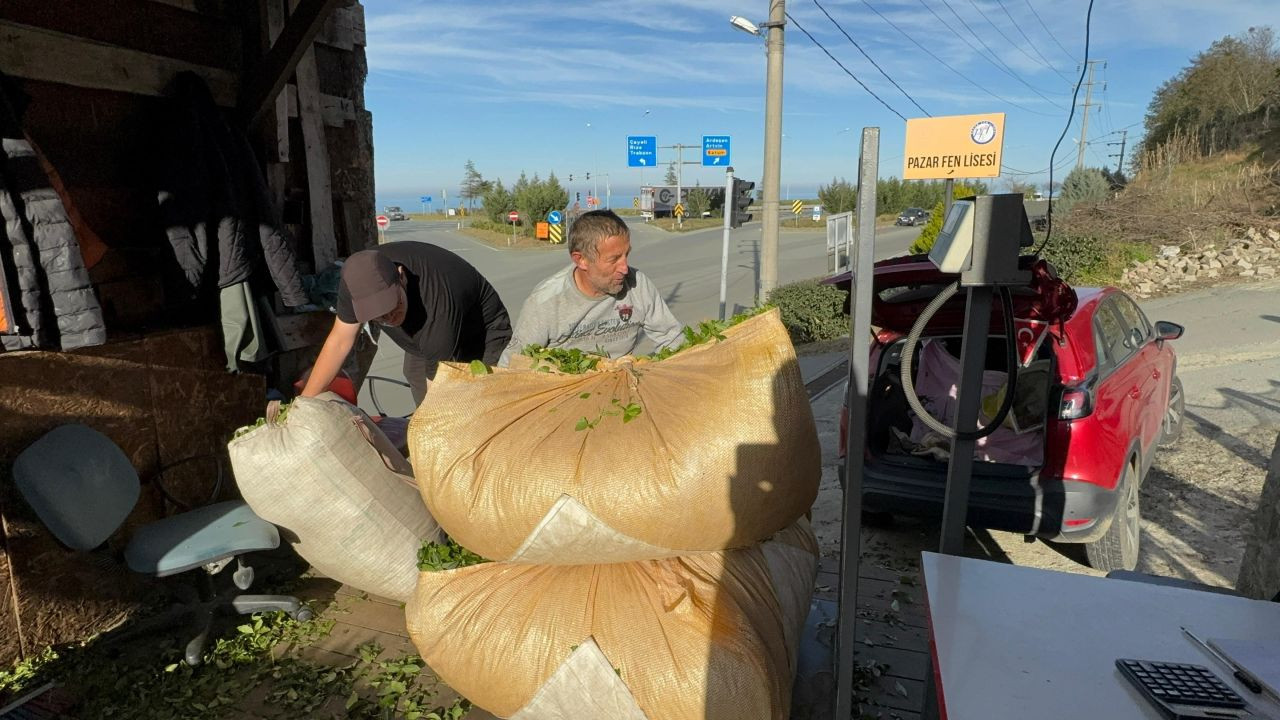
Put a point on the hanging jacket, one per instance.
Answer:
(214, 202)
(52, 303)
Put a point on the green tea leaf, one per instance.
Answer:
(583, 424)
(584, 396)
(479, 368)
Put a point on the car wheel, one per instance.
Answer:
(1118, 549)
(1174, 415)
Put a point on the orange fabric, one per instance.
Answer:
(92, 248)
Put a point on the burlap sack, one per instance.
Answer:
(339, 492)
(707, 636)
(722, 454)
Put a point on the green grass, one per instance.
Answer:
(1116, 256)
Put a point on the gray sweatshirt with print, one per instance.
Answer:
(559, 315)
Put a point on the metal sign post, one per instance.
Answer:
(860, 287)
(724, 248)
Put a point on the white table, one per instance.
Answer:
(1017, 643)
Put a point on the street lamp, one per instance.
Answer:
(772, 139)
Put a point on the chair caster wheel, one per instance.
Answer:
(243, 577)
(303, 614)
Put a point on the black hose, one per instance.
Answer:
(909, 351)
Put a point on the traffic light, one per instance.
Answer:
(588, 176)
(578, 198)
(739, 203)
(570, 178)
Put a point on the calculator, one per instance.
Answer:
(1182, 691)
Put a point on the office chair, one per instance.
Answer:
(82, 487)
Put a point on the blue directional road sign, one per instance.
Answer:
(426, 198)
(715, 150)
(553, 217)
(642, 150)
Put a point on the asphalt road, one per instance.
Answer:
(685, 267)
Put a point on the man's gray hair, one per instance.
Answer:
(592, 227)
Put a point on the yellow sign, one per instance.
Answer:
(956, 146)
(557, 235)
(679, 209)
(541, 230)
(797, 206)
(635, 202)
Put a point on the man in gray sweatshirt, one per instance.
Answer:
(599, 303)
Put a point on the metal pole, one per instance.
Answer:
(679, 182)
(973, 357)
(772, 150)
(724, 248)
(949, 195)
(863, 266)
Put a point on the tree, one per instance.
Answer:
(1116, 180)
(1022, 187)
(473, 184)
(1083, 184)
(535, 198)
(1228, 96)
(840, 196)
(697, 201)
(672, 178)
(498, 202)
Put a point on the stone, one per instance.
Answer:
(1215, 263)
(1266, 271)
(1211, 273)
(1248, 273)
(1244, 264)
(1253, 234)
(1146, 287)
(1169, 251)
(1273, 235)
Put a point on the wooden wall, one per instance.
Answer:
(94, 76)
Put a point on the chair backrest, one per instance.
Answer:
(79, 483)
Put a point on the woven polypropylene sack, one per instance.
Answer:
(706, 636)
(339, 492)
(551, 468)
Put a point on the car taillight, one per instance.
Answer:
(1077, 402)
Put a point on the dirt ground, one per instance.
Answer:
(1197, 501)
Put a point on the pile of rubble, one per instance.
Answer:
(1255, 255)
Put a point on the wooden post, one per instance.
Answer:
(1260, 569)
(324, 243)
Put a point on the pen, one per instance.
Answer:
(1245, 678)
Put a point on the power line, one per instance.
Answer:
(845, 69)
(868, 57)
(1049, 32)
(947, 65)
(991, 53)
(1013, 44)
(1030, 42)
(1075, 93)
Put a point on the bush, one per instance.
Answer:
(1077, 257)
(1083, 185)
(811, 311)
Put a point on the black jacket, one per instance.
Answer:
(214, 202)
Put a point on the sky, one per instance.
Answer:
(544, 86)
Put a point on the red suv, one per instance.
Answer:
(1096, 394)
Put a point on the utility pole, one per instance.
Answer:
(680, 163)
(1124, 136)
(772, 149)
(1084, 121)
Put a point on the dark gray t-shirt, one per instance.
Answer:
(559, 315)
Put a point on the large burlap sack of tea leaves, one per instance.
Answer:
(711, 636)
(339, 492)
(711, 448)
